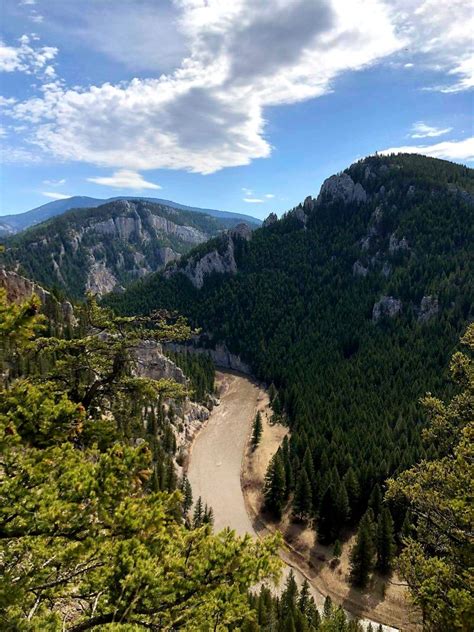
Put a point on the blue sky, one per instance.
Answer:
(244, 106)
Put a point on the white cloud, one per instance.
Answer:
(26, 58)
(54, 195)
(269, 196)
(209, 113)
(239, 59)
(125, 179)
(253, 200)
(35, 17)
(461, 150)
(27, 2)
(422, 130)
(247, 191)
(55, 183)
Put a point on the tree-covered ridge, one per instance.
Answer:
(120, 240)
(302, 315)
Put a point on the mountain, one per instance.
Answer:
(351, 306)
(103, 248)
(10, 224)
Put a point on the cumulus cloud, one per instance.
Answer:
(422, 130)
(55, 195)
(209, 113)
(27, 58)
(462, 150)
(239, 59)
(124, 179)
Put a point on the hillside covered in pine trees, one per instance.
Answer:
(351, 306)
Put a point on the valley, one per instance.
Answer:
(227, 475)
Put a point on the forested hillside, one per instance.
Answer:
(104, 248)
(351, 305)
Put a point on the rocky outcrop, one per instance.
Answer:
(429, 308)
(220, 260)
(396, 245)
(242, 230)
(271, 219)
(100, 280)
(151, 362)
(19, 288)
(342, 188)
(359, 270)
(387, 306)
(220, 355)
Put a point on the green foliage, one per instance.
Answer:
(200, 370)
(87, 540)
(437, 559)
(362, 554)
(385, 541)
(257, 430)
(297, 314)
(275, 491)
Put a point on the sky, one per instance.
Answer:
(244, 106)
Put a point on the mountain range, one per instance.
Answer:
(10, 224)
(105, 248)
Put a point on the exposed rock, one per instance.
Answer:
(100, 280)
(309, 204)
(396, 244)
(341, 188)
(365, 242)
(411, 190)
(152, 363)
(386, 269)
(299, 214)
(220, 354)
(386, 306)
(271, 219)
(19, 288)
(359, 270)
(220, 261)
(429, 307)
(242, 230)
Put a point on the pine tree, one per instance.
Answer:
(327, 526)
(257, 430)
(385, 541)
(289, 595)
(362, 554)
(198, 514)
(375, 500)
(328, 607)
(337, 549)
(353, 491)
(302, 501)
(187, 494)
(274, 491)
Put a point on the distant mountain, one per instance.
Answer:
(104, 248)
(11, 224)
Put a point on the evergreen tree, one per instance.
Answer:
(337, 549)
(328, 607)
(375, 500)
(187, 494)
(362, 554)
(302, 501)
(257, 430)
(385, 541)
(275, 488)
(198, 514)
(289, 596)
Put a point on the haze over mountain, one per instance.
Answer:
(10, 224)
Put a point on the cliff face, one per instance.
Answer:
(104, 248)
(18, 289)
(219, 259)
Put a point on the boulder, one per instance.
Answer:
(429, 308)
